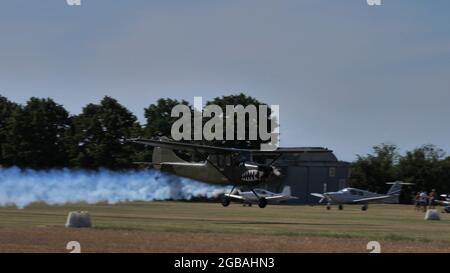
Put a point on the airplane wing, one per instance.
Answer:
(234, 196)
(318, 195)
(321, 196)
(175, 145)
(442, 202)
(281, 197)
(371, 199)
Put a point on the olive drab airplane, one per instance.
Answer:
(225, 166)
(356, 196)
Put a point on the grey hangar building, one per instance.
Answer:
(311, 169)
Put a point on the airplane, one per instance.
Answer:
(445, 200)
(356, 196)
(249, 198)
(225, 166)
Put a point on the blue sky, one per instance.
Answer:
(346, 76)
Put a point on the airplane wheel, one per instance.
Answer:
(328, 207)
(341, 207)
(364, 208)
(225, 201)
(262, 202)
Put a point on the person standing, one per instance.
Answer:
(431, 199)
(424, 200)
(417, 201)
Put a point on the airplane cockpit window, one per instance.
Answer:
(258, 191)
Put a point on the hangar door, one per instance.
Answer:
(297, 179)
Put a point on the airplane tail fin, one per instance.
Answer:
(161, 155)
(286, 191)
(395, 190)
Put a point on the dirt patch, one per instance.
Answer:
(55, 239)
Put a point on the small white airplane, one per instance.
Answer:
(445, 201)
(356, 196)
(249, 197)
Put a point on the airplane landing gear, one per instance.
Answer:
(225, 201)
(328, 206)
(262, 203)
(341, 207)
(365, 207)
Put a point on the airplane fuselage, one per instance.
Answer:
(349, 195)
(211, 173)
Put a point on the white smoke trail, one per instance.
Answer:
(23, 187)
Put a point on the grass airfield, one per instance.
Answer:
(209, 227)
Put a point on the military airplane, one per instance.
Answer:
(356, 196)
(248, 197)
(220, 165)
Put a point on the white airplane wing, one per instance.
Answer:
(318, 195)
(234, 196)
(442, 202)
(281, 197)
(371, 199)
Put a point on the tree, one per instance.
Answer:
(35, 135)
(99, 136)
(445, 175)
(6, 110)
(374, 170)
(425, 167)
(240, 99)
(159, 120)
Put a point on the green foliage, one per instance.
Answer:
(373, 170)
(240, 99)
(159, 120)
(35, 135)
(425, 166)
(6, 110)
(99, 136)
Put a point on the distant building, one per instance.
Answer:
(312, 169)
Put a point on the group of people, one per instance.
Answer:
(425, 200)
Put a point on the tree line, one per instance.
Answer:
(41, 134)
(427, 167)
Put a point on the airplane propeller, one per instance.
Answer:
(276, 171)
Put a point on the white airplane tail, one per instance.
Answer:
(395, 190)
(286, 191)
